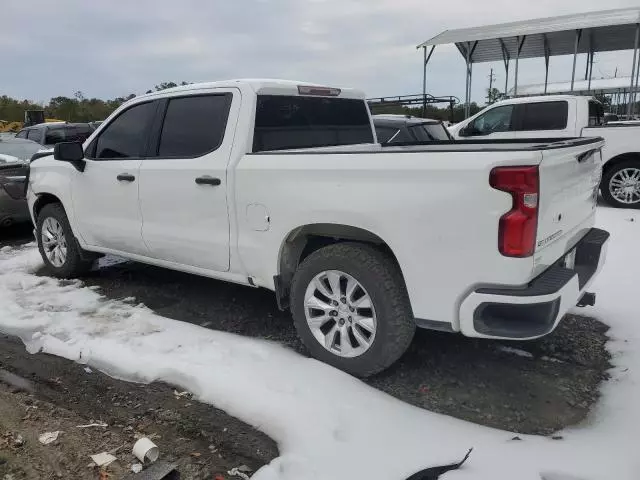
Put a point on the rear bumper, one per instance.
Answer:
(535, 309)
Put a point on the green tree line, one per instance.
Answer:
(70, 109)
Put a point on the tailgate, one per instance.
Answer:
(569, 179)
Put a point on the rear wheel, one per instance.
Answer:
(351, 308)
(58, 247)
(621, 185)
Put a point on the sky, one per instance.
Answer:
(113, 48)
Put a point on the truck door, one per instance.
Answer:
(183, 183)
(543, 120)
(105, 195)
(495, 123)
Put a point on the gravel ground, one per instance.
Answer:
(59, 395)
(526, 387)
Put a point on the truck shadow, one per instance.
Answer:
(533, 387)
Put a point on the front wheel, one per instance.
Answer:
(351, 308)
(58, 248)
(621, 185)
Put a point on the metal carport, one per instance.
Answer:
(591, 32)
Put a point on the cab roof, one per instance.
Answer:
(265, 86)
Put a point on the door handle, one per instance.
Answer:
(126, 177)
(207, 180)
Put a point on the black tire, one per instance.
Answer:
(606, 179)
(381, 278)
(76, 263)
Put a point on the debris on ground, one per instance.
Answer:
(89, 425)
(103, 459)
(136, 467)
(18, 440)
(240, 471)
(145, 450)
(158, 471)
(234, 472)
(48, 437)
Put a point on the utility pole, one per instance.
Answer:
(490, 98)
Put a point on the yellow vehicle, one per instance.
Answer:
(31, 117)
(7, 126)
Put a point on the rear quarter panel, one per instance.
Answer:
(619, 139)
(435, 210)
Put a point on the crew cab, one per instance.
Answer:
(569, 116)
(282, 185)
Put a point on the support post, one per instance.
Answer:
(575, 57)
(519, 45)
(424, 80)
(426, 59)
(635, 90)
(470, 49)
(505, 59)
(590, 60)
(466, 87)
(633, 67)
(590, 71)
(547, 53)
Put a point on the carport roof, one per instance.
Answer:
(603, 31)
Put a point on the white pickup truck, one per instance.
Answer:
(280, 185)
(571, 116)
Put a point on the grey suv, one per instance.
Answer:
(48, 134)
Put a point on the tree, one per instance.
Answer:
(494, 95)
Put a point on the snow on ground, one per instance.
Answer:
(329, 425)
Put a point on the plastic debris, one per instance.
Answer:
(195, 454)
(48, 437)
(103, 459)
(136, 467)
(234, 472)
(89, 425)
(18, 440)
(145, 450)
(88, 370)
(180, 394)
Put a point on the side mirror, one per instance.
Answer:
(70, 152)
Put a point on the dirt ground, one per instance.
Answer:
(533, 387)
(52, 394)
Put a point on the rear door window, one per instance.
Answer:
(54, 135)
(428, 132)
(194, 125)
(35, 134)
(289, 122)
(78, 133)
(126, 136)
(596, 114)
(544, 116)
(385, 134)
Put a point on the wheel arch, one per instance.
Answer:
(623, 157)
(300, 242)
(43, 200)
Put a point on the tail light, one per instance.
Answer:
(518, 227)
